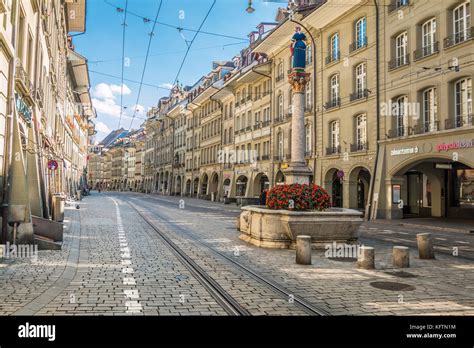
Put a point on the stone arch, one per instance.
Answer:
(359, 183)
(241, 186)
(333, 184)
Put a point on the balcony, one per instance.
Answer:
(459, 37)
(257, 126)
(265, 157)
(249, 98)
(399, 62)
(279, 119)
(334, 57)
(308, 108)
(22, 78)
(333, 150)
(426, 51)
(335, 103)
(279, 78)
(426, 127)
(278, 158)
(228, 165)
(249, 128)
(308, 153)
(395, 5)
(266, 123)
(400, 132)
(458, 122)
(359, 147)
(358, 44)
(237, 104)
(360, 94)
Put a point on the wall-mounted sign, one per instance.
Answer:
(460, 144)
(396, 193)
(284, 165)
(404, 151)
(443, 166)
(23, 109)
(52, 165)
(340, 174)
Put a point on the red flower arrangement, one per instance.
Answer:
(298, 197)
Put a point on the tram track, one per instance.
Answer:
(230, 304)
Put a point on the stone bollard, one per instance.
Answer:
(366, 258)
(303, 250)
(401, 257)
(425, 246)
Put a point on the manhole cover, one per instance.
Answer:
(392, 286)
(343, 259)
(402, 274)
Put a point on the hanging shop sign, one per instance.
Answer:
(52, 165)
(404, 151)
(23, 109)
(455, 145)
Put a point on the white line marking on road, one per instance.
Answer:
(443, 239)
(133, 306)
(403, 232)
(131, 294)
(129, 281)
(460, 241)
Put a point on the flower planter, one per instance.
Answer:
(279, 228)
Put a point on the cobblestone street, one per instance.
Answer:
(114, 263)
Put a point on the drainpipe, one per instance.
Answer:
(221, 106)
(11, 110)
(377, 120)
(36, 131)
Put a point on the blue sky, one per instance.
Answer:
(102, 45)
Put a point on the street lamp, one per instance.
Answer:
(250, 9)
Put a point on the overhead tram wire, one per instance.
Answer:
(123, 61)
(192, 41)
(145, 64)
(128, 80)
(176, 27)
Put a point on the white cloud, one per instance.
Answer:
(106, 106)
(105, 91)
(166, 85)
(101, 127)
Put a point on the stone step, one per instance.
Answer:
(47, 243)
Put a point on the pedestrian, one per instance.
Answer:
(263, 197)
(99, 189)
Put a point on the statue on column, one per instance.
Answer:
(298, 50)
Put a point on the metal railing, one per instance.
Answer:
(360, 94)
(426, 51)
(458, 38)
(458, 122)
(400, 132)
(333, 57)
(336, 102)
(399, 62)
(359, 147)
(332, 150)
(396, 4)
(426, 127)
(358, 44)
(21, 76)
